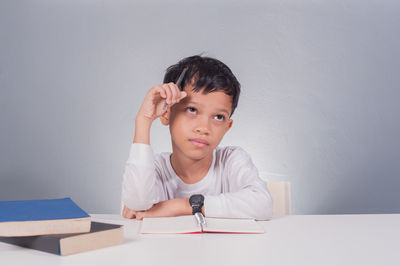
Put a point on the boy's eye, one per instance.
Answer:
(219, 117)
(191, 110)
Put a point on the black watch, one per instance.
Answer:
(196, 201)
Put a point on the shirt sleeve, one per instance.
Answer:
(247, 196)
(140, 188)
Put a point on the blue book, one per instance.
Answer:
(42, 217)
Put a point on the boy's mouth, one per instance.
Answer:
(199, 142)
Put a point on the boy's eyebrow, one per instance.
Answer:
(223, 110)
(219, 110)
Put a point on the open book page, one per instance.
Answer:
(170, 225)
(224, 225)
(188, 224)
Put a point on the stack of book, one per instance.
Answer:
(57, 226)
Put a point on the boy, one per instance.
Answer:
(219, 181)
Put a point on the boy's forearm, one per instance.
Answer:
(185, 208)
(142, 130)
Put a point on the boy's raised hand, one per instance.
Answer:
(154, 102)
(153, 106)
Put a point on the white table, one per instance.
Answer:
(291, 240)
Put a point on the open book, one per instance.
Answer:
(188, 224)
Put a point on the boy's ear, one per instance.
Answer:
(230, 122)
(165, 117)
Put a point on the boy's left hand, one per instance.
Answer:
(168, 208)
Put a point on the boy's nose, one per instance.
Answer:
(202, 127)
(202, 130)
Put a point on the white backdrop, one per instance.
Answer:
(320, 86)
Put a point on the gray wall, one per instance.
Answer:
(319, 108)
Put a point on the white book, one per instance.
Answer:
(188, 225)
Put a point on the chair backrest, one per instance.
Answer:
(281, 195)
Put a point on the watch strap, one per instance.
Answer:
(196, 209)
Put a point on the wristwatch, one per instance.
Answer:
(196, 201)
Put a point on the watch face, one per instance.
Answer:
(196, 200)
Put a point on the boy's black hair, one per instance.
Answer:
(207, 74)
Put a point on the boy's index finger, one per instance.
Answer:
(178, 83)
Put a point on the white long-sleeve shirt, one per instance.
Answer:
(232, 187)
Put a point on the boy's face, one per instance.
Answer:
(198, 122)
